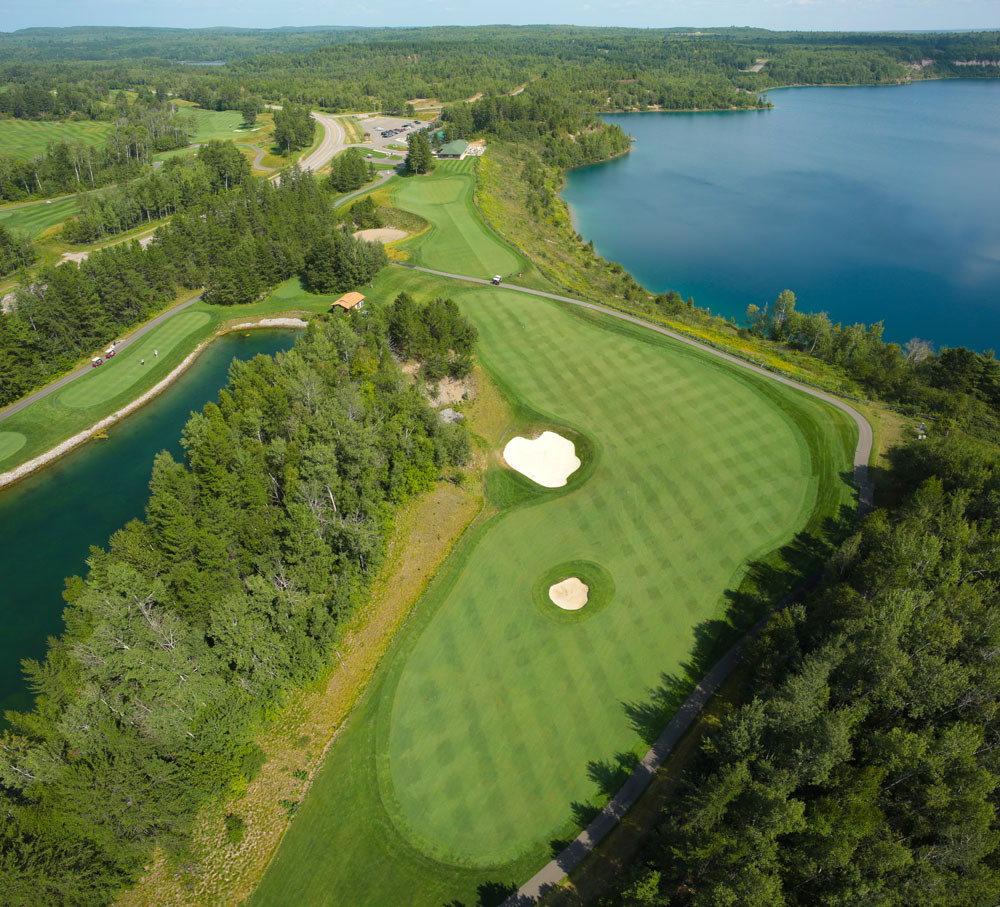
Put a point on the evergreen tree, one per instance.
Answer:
(419, 159)
(16, 251)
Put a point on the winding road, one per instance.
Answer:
(553, 872)
(333, 142)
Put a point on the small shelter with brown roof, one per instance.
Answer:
(349, 301)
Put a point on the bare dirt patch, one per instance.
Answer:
(83, 256)
(450, 391)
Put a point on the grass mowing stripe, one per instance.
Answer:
(23, 139)
(485, 733)
(38, 217)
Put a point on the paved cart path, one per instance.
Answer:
(553, 872)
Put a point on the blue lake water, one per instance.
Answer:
(49, 520)
(874, 204)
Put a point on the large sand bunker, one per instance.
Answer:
(570, 595)
(381, 234)
(549, 459)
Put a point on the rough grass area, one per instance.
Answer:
(354, 132)
(106, 389)
(491, 731)
(23, 139)
(217, 872)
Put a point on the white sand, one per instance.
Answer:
(549, 459)
(381, 234)
(570, 595)
(270, 323)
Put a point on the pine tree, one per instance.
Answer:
(419, 159)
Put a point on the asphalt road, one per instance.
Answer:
(87, 369)
(333, 142)
(553, 872)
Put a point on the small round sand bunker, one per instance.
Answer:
(570, 594)
(549, 459)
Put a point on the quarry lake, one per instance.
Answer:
(49, 520)
(869, 203)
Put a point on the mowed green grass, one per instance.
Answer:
(105, 389)
(459, 241)
(121, 372)
(218, 124)
(23, 139)
(472, 749)
(37, 217)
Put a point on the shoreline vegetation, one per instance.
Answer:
(188, 498)
(26, 469)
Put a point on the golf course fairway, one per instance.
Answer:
(486, 732)
(459, 238)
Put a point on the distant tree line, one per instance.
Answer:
(566, 129)
(863, 766)
(28, 102)
(194, 622)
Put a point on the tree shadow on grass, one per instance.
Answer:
(611, 774)
(763, 589)
(490, 894)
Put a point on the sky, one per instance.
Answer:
(824, 15)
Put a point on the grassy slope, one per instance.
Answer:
(24, 139)
(693, 467)
(460, 242)
(98, 394)
(38, 217)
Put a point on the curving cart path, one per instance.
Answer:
(553, 872)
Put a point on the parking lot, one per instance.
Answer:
(376, 126)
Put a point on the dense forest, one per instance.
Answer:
(369, 69)
(863, 766)
(193, 622)
(234, 242)
(16, 251)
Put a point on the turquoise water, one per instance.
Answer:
(49, 521)
(871, 203)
